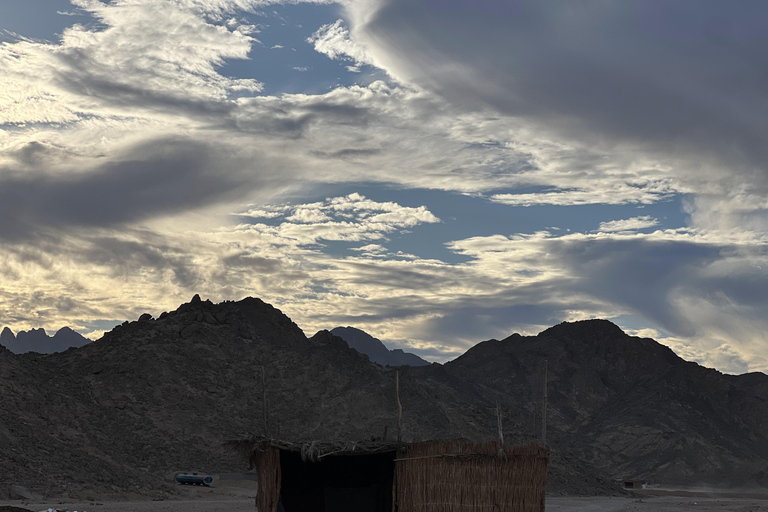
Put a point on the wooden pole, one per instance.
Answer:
(498, 420)
(501, 430)
(264, 400)
(544, 408)
(395, 481)
(399, 408)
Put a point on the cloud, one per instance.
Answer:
(308, 216)
(260, 213)
(673, 84)
(371, 249)
(89, 101)
(623, 193)
(128, 189)
(170, 65)
(334, 41)
(349, 218)
(633, 224)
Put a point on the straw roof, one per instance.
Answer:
(310, 450)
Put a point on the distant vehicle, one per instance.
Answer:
(194, 479)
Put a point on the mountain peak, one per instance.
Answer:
(6, 339)
(251, 317)
(593, 329)
(64, 331)
(37, 340)
(375, 349)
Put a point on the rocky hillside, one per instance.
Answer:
(155, 396)
(375, 349)
(37, 340)
(159, 395)
(630, 406)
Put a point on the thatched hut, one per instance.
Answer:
(434, 476)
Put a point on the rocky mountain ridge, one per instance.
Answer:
(155, 396)
(37, 340)
(375, 349)
(630, 406)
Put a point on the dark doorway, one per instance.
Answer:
(337, 483)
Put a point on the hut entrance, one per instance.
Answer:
(340, 483)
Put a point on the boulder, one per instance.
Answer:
(190, 330)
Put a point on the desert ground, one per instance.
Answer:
(241, 500)
(558, 504)
(656, 504)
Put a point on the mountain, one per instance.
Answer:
(155, 396)
(375, 349)
(37, 340)
(629, 406)
(7, 337)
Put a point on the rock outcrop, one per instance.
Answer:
(375, 349)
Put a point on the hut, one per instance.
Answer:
(432, 476)
(633, 484)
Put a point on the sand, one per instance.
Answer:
(235, 505)
(244, 502)
(656, 504)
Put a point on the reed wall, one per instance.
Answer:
(458, 476)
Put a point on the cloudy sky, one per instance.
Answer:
(435, 172)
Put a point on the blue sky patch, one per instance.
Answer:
(286, 62)
(40, 19)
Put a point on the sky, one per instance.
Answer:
(434, 172)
